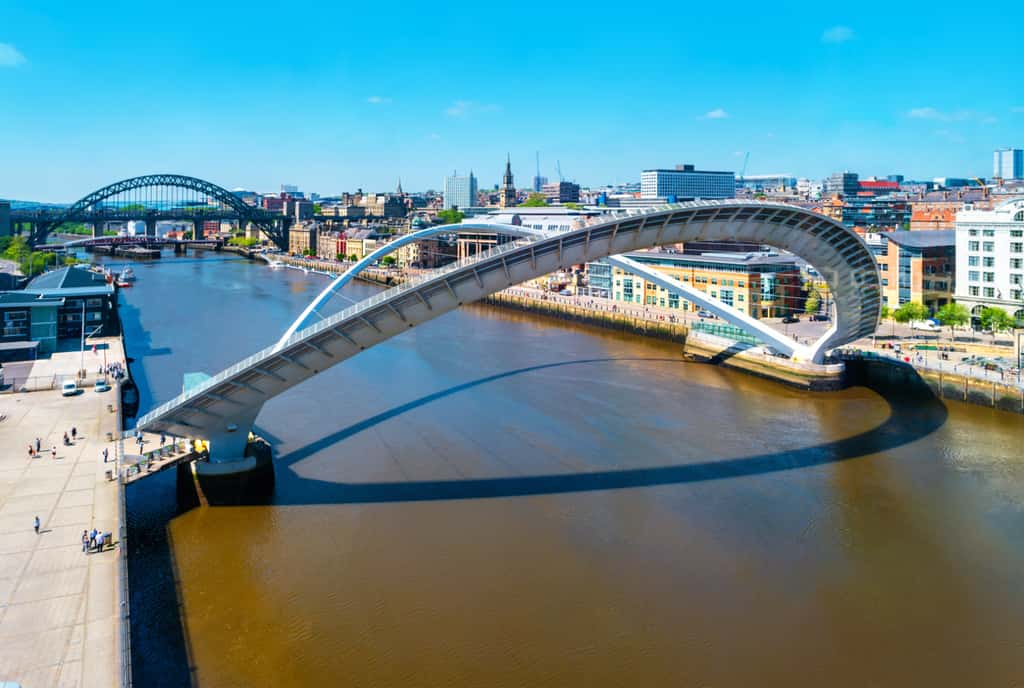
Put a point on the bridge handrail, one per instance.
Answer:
(327, 323)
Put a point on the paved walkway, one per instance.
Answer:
(58, 606)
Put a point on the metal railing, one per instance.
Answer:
(123, 589)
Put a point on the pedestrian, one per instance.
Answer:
(74, 432)
(66, 443)
(38, 445)
(162, 440)
(85, 541)
(53, 452)
(99, 543)
(105, 454)
(92, 539)
(31, 452)
(36, 525)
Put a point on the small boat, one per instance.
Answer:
(276, 265)
(127, 275)
(122, 285)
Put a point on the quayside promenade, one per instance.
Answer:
(59, 606)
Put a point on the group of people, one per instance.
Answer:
(95, 541)
(114, 370)
(69, 439)
(36, 449)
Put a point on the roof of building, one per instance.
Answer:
(20, 298)
(930, 238)
(66, 278)
(721, 258)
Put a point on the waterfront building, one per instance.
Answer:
(915, 267)
(561, 192)
(298, 209)
(5, 218)
(29, 325)
(761, 285)
(302, 238)
(459, 192)
(1008, 163)
(508, 196)
(990, 258)
(548, 219)
(330, 244)
(599, 278)
(686, 182)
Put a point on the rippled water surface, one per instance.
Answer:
(494, 500)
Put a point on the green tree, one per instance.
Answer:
(911, 311)
(317, 208)
(997, 320)
(450, 216)
(953, 315)
(353, 257)
(388, 261)
(340, 257)
(243, 241)
(813, 302)
(535, 200)
(574, 206)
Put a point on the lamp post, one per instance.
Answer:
(81, 364)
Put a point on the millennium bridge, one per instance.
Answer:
(222, 409)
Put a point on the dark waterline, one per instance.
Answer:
(493, 500)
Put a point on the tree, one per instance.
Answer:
(340, 257)
(886, 314)
(574, 206)
(813, 302)
(388, 261)
(450, 216)
(353, 257)
(317, 208)
(911, 311)
(997, 320)
(535, 200)
(953, 315)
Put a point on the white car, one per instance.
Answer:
(69, 389)
(925, 325)
(102, 385)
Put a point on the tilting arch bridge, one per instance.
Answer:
(223, 409)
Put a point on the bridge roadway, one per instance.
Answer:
(223, 409)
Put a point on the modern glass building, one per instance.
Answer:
(1008, 163)
(685, 182)
(459, 192)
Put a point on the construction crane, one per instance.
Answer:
(558, 167)
(743, 172)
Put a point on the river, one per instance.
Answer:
(494, 500)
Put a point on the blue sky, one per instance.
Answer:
(334, 97)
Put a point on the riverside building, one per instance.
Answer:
(990, 258)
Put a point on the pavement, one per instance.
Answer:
(47, 373)
(59, 612)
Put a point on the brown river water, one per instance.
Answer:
(496, 500)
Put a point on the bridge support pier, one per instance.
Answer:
(249, 480)
(198, 230)
(98, 229)
(151, 228)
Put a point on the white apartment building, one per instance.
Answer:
(990, 258)
(685, 182)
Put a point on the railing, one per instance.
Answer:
(122, 571)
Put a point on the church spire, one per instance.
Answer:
(508, 187)
(399, 189)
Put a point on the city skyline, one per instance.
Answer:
(95, 97)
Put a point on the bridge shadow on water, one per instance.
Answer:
(914, 412)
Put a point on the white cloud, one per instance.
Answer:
(937, 115)
(9, 56)
(837, 34)
(465, 108)
(434, 136)
(925, 113)
(378, 100)
(717, 113)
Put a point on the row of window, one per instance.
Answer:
(990, 246)
(992, 232)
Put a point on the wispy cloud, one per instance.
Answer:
(10, 56)
(434, 136)
(837, 34)
(950, 136)
(1017, 108)
(717, 113)
(378, 100)
(936, 115)
(466, 108)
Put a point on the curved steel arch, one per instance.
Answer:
(224, 407)
(245, 212)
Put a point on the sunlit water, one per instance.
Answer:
(494, 500)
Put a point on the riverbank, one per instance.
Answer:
(59, 606)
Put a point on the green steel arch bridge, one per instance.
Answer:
(152, 198)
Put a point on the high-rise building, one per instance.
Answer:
(508, 188)
(686, 182)
(1008, 163)
(459, 192)
(561, 192)
(990, 258)
(843, 184)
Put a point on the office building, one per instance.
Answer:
(561, 192)
(760, 285)
(915, 267)
(459, 192)
(685, 182)
(990, 258)
(1008, 163)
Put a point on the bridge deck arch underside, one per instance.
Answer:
(225, 407)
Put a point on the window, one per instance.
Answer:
(739, 297)
(94, 303)
(972, 245)
(1015, 295)
(972, 232)
(989, 277)
(988, 232)
(973, 291)
(972, 261)
(885, 281)
(988, 246)
(927, 284)
(15, 323)
(94, 316)
(884, 267)
(1017, 233)
(1016, 263)
(990, 293)
(1016, 279)
(989, 261)
(1016, 247)
(973, 275)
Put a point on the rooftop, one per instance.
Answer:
(66, 278)
(932, 238)
(20, 298)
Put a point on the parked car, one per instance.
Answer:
(705, 314)
(925, 326)
(820, 317)
(69, 389)
(102, 385)
(791, 319)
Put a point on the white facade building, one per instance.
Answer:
(990, 258)
(459, 192)
(1008, 163)
(685, 182)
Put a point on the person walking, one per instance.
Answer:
(85, 542)
(92, 539)
(36, 525)
(66, 443)
(105, 454)
(53, 452)
(74, 433)
(38, 445)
